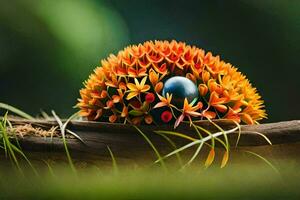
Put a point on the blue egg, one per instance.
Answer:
(180, 87)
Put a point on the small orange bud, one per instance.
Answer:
(148, 119)
(153, 77)
(116, 98)
(124, 111)
(221, 108)
(191, 77)
(203, 89)
(159, 86)
(112, 118)
(205, 76)
(136, 120)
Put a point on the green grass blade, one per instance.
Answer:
(16, 111)
(263, 159)
(223, 131)
(263, 136)
(62, 130)
(114, 162)
(49, 168)
(176, 134)
(194, 156)
(205, 139)
(174, 147)
(160, 159)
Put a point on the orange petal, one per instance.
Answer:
(221, 108)
(191, 77)
(145, 88)
(103, 94)
(160, 104)
(210, 158)
(209, 114)
(225, 159)
(99, 114)
(122, 86)
(247, 118)
(132, 72)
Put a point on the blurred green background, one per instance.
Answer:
(49, 47)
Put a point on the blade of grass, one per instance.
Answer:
(174, 147)
(16, 111)
(222, 130)
(263, 159)
(160, 160)
(49, 168)
(8, 145)
(176, 134)
(75, 135)
(262, 135)
(239, 133)
(194, 156)
(207, 138)
(12, 148)
(114, 162)
(62, 130)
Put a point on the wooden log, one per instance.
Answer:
(126, 142)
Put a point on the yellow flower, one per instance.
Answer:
(137, 88)
(164, 101)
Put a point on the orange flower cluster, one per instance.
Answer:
(127, 87)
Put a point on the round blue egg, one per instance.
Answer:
(180, 87)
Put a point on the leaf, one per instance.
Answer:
(135, 113)
(225, 159)
(210, 158)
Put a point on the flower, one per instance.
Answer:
(188, 111)
(164, 101)
(166, 116)
(136, 72)
(137, 88)
(110, 91)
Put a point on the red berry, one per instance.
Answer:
(166, 116)
(150, 97)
